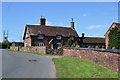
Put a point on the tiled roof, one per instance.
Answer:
(51, 30)
(118, 26)
(93, 40)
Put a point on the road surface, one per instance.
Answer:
(23, 65)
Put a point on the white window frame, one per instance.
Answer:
(72, 37)
(58, 37)
(40, 44)
(40, 36)
(59, 44)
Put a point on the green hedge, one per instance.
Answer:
(5, 45)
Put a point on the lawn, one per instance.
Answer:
(26, 52)
(68, 67)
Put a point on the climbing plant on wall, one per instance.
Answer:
(114, 38)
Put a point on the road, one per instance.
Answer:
(23, 65)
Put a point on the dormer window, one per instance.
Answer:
(58, 37)
(40, 36)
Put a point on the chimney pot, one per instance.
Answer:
(42, 20)
(72, 24)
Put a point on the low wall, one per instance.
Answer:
(107, 59)
(30, 49)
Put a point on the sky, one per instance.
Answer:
(91, 18)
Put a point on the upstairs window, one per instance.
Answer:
(58, 37)
(40, 36)
(72, 37)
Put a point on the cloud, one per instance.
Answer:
(49, 23)
(95, 35)
(84, 15)
(97, 26)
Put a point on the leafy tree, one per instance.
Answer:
(70, 42)
(114, 37)
(5, 44)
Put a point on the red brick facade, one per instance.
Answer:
(107, 33)
(44, 35)
(49, 34)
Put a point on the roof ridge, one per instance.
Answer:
(58, 26)
(49, 26)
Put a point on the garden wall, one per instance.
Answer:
(30, 49)
(108, 59)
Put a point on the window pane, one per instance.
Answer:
(58, 37)
(40, 44)
(40, 36)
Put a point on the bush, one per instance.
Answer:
(5, 45)
(77, 46)
(73, 45)
(70, 42)
(96, 47)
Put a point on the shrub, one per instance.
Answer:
(96, 47)
(73, 45)
(70, 42)
(77, 46)
(5, 45)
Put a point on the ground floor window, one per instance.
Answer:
(40, 44)
(59, 45)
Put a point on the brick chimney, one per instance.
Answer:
(72, 24)
(83, 35)
(42, 20)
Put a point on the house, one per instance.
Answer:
(49, 36)
(114, 24)
(17, 44)
(91, 42)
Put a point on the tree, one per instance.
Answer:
(70, 42)
(114, 37)
(5, 44)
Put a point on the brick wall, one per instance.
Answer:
(31, 49)
(107, 33)
(107, 59)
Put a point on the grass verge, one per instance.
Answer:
(68, 67)
(27, 52)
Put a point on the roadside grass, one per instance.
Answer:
(26, 52)
(68, 67)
